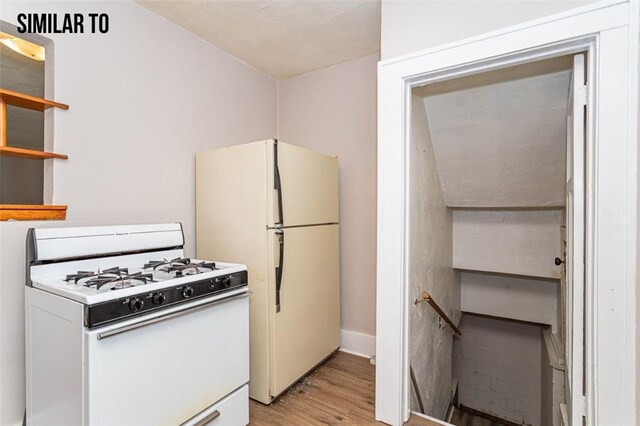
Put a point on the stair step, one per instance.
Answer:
(464, 418)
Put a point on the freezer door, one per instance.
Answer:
(307, 328)
(305, 186)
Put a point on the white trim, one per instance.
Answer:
(631, 353)
(356, 343)
(609, 32)
(552, 346)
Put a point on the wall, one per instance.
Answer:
(409, 26)
(430, 260)
(513, 117)
(509, 296)
(144, 98)
(546, 388)
(498, 367)
(333, 110)
(509, 242)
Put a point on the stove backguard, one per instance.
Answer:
(49, 245)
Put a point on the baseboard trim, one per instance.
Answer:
(356, 343)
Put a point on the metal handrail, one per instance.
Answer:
(426, 297)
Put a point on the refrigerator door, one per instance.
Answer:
(307, 328)
(305, 186)
(232, 204)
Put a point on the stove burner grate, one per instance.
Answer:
(181, 266)
(119, 277)
(155, 264)
(119, 281)
(79, 275)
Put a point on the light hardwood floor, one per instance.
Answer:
(339, 392)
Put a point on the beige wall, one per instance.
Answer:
(412, 25)
(144, 98)
(334, 111)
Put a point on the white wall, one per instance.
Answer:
(500, 136)
(513, 297)
(411, 25)
(515, 242)
(430, 260)
(144, 98)
(333, 110)
(498, 367)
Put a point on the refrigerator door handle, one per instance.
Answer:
(277, 183)
(279, 269)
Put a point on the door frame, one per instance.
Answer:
(608, 31)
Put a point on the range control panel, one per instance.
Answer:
(126, 307)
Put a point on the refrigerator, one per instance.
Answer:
(274, 207)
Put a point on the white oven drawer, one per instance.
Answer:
(233, 410)
(166, 369)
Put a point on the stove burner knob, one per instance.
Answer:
(158, 298)
(226, 282)
(136, 304)
(187, 292)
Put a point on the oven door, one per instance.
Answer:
(166, 368)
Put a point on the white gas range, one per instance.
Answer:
(122, 329)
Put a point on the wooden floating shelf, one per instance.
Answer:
(32, 212)
(27, 101)
(11, 151)
(23, 211)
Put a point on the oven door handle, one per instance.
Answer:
(172, 315)
(205, 420)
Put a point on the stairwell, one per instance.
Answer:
(463, 416)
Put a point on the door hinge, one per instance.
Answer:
(581, 96)
(581, 405)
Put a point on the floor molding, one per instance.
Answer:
(357, 343)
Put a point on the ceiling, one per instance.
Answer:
(499, 138)
(281, 38)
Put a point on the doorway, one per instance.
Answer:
(610, 156)
(489, 186)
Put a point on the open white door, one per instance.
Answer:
(575, 293)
